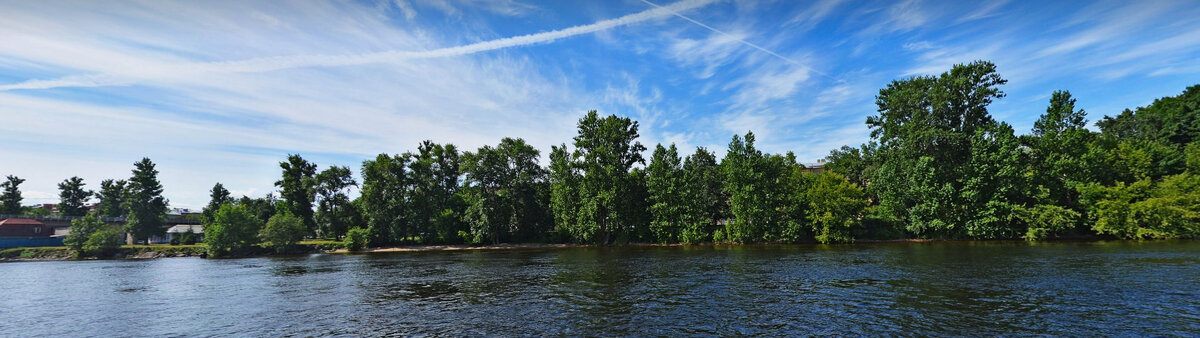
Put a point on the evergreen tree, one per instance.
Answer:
(72, 197)
(112, 198)
(10, 199)
(146, 207)
(218, 196)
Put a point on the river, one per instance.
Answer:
(936, 288)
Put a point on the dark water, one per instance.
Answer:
(1107, 288)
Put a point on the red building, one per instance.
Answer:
(23, 227)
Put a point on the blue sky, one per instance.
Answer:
(220, 91)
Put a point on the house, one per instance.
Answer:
(24, 227)
(814, 168)
(19, 232)
(177, 231)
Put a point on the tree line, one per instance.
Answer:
(938, 166)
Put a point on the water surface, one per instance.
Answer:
(944, 288)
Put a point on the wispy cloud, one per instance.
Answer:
(268, 64)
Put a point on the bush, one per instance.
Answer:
(231, 228)
(356, 239)
(81, 230)
(103, 242)
(188, 238)
(175, 240)
(282, 232)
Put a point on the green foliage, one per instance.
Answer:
(1045, 220)
(1172, 121)
(10, 199)
(112, 198)
(666, 184)
(187, 238)
(334, 210)
(282, 232)
(232, 228)
(755, 196)
(505, 192)
(217, 196)
(103, 242)
(564, 190)
(357, 238)
(72, 196)
(704, 201)
(82, 229)
(600, 181)
(384, 198)
(298, 188)
(1145, 209)
(948, 169)
(835, 207)
(144, 203)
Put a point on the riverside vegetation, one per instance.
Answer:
(938, 166)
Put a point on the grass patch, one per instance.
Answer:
(36, 252)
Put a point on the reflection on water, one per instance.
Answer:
(969, 288)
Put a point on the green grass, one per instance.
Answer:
(322, 241)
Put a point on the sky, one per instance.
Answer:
(222, 91)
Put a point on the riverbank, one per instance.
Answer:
(461, 247)
(62, 253)
(333, 247)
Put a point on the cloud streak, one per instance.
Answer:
(268, 64)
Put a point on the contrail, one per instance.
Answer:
(744, 42)
(268, 64)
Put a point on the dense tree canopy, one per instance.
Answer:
(506, 192)
(938, 165)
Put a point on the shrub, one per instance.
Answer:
(356, 239)
(231, 228)
(103, 242)
(282, 232)
(81, 230)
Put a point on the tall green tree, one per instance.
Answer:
(297, 188)
(504, 189)
(217, 197)
(334, 211)
(605, 151)
(929, 130)
(564, 188)
(704, 201)
(432, 181)
(1059, 144)
(72, 197)
(145, 204)
(112, 198)
(10, 199)
(755, 197)
(666, 185)
(384, 198)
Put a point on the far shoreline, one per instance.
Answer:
(143, 253)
